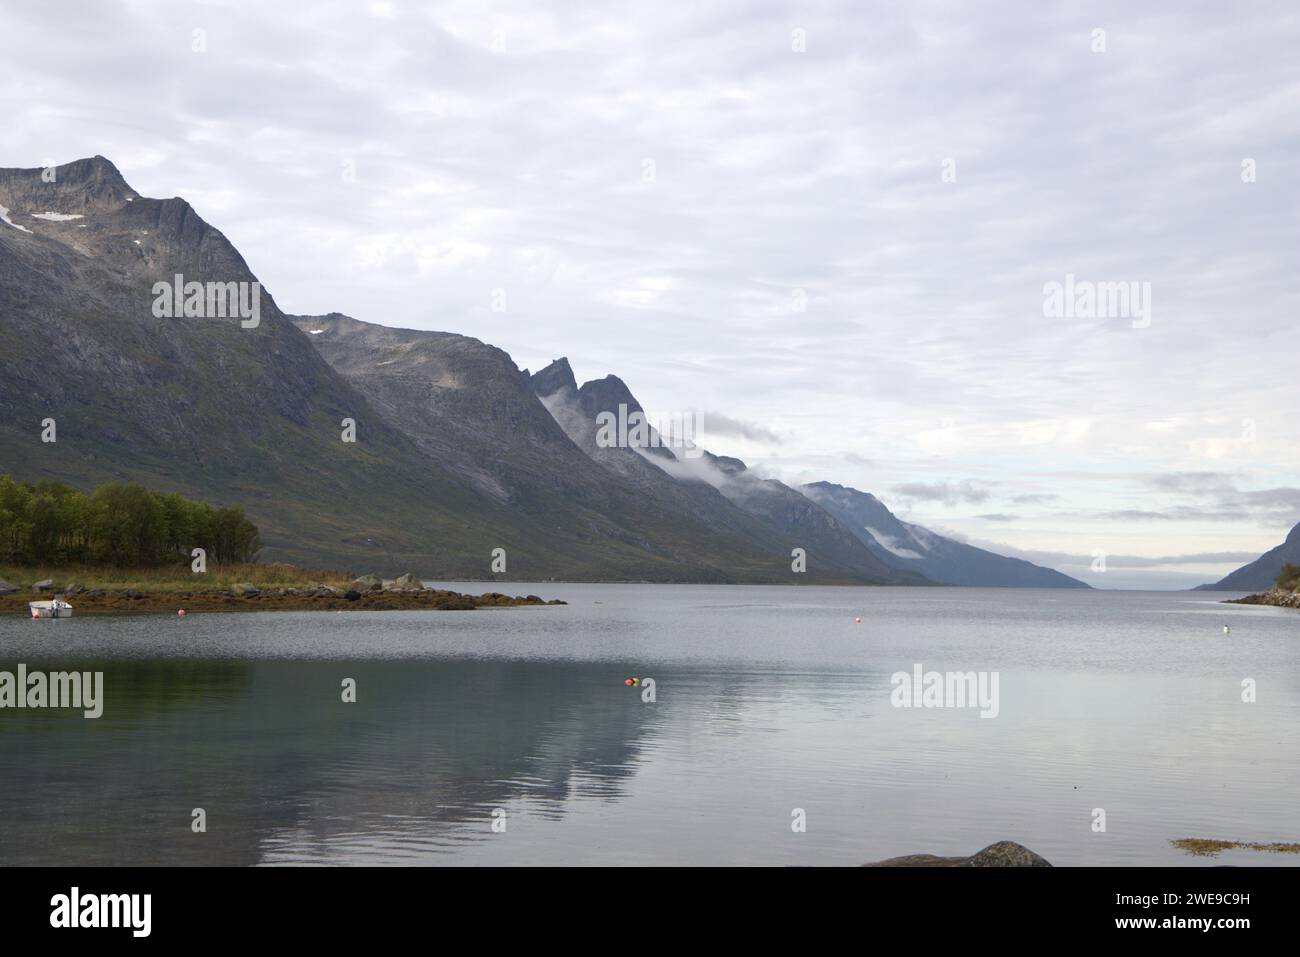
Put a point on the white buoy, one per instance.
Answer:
(1226, 630)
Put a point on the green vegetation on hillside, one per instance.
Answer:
(49, 523)
(1289, 579)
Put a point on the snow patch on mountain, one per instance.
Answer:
(4, 217)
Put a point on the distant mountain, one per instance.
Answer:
(912, 548)
(771, 515)
(607, 513)
(801, 518)
(1261, 574)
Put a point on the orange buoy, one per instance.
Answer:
(181, 612)
(858, 620)
(628, 682)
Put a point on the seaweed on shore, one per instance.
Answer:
(1206, 847)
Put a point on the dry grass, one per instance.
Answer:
(176, 578)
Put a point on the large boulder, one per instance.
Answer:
(407, 582)
(1001, 854)
(366, 583)
(47, 585)
(8, 589)
(243, 590)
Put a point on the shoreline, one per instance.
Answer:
(1274, 598)
(235, 588)
(206, 602)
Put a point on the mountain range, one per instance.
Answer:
(357, 444)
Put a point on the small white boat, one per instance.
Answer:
(58, 608)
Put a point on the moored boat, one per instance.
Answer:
(56, 608)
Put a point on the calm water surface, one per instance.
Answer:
(768, 699)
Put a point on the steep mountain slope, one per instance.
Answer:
(204, 406)
(347, 443)
(912, 547)
(1261, 574)
(469, 408)
(716, 491)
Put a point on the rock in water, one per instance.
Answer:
(1001, 854)
(1007, 854)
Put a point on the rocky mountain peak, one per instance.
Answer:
(556, 376)
(606, 395)
(74, 188)
(96, 172)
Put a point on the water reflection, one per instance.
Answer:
(768, 700)
(280, 764)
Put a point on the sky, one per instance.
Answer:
(830, 230)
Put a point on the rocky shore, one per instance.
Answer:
(367, 593)
(1001, 854)
(1277, 597)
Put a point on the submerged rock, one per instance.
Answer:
(1001, 854)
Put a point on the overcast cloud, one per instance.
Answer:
(674, 194)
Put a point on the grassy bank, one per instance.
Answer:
(173, 579)
(98, 590)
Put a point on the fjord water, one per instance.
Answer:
(767, 700)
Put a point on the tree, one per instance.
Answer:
(117, 524)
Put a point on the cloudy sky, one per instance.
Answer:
(826, 226)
